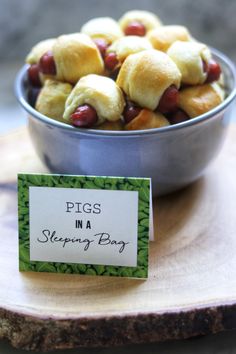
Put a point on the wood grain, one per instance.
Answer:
(191, 289)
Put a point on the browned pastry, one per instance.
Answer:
(138, 22)
(191, 58)
(72, 56)
(197, 100)
(117, 52)
(145, 76)
(52, 98)
(38, 50)
(147, 119)
(162, 37)
(127, 75)
(125, 46)
(36, 79)
(101, 94)
(103, 28)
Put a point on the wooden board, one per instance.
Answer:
(191, 288)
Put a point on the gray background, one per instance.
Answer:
(25, 22)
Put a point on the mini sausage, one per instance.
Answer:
(130, 112)
(85, 116)
(102, 45)
(213, 71)
(169, 100)
(111, 61)
(33, 75)
(135, 28)
(47, 64)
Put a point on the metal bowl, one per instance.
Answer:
(173, 156)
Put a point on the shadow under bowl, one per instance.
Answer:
(172, 156)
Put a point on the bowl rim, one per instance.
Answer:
(19, 89)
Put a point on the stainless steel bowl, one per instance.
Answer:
(172, 156)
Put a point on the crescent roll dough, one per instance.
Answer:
(125, 46)
(102, 27)
(189, 57)
(52, 98)
(147, 120)
(76, 55)
(38, 50)
(145, 76)
(146, 18)
(162, 37)
(197, 100)
(101, 93)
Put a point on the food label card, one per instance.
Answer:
(84, 224)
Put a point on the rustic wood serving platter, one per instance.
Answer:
(191, 288)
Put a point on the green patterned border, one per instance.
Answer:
(142, 185)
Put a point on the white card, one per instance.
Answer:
(83, 226)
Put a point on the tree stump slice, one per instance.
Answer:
(191, 289)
